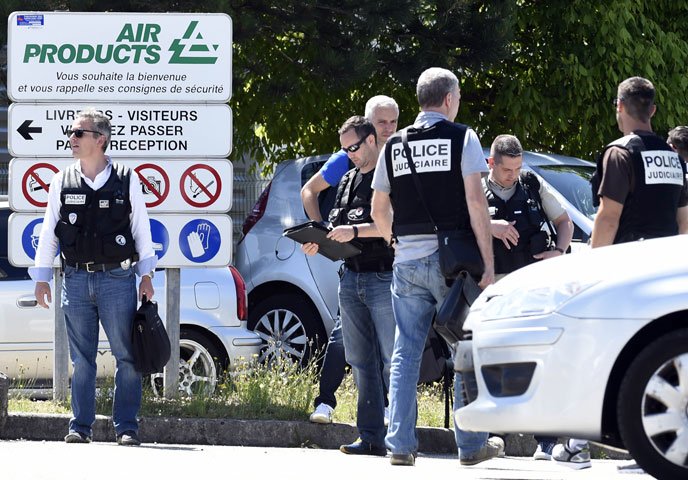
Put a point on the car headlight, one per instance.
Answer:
(533, 300)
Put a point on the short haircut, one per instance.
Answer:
(638, 97)
(379, 101)
(505, 145)
(678, 137)
(360, 125)
(100, 122)
(433, 86)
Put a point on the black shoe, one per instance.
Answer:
(129, 438)
(77, 437)
(361, 447)
(404, 459)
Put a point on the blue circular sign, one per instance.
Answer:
(30, 237)
(199, 240)
(161, 238)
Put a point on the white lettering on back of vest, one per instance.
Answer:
(75, 199)
(662, 167)
(428, 156)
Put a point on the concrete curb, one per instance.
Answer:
(256, 433)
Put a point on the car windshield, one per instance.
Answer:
(573, 182)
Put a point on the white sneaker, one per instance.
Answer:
(576, 458)
(322, 414)
(386, 416)
(543, 451)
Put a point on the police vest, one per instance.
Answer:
(436, 152)
(523, 207)
(94, 225)
(352, 207)
(650, 208)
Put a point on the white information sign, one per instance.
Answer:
(146, 57)
(178, 240)
(201, 186)
(140, 130)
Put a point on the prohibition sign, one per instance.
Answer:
(149, 187)
(40, 183)
(199, 187)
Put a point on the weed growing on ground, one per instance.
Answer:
(280, 390)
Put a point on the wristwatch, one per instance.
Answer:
(151, 274)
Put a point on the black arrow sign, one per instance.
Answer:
(25, 130)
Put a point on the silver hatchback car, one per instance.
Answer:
(213, 333)
(293, 297)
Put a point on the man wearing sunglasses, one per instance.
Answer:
(450, 163)
(383, 112)
(97, 216)
(365, 303)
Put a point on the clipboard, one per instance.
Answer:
(315, 232)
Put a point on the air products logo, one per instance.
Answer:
(135, 43)
(196, 53)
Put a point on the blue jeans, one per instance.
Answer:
(333, 368)
(365, 303)
(111, 298)
(418, 289)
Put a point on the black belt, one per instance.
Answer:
(98, 267)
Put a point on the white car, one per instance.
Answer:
(213, 333)
(293, 297)
(592, 345)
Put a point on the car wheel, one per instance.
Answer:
(200, 365)
(653, 407)
(289, 327)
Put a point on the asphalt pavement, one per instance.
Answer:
(47, 460)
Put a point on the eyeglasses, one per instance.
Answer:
(79, 132)
(354, 148)
(616, 101)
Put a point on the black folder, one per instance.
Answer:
(315, 232)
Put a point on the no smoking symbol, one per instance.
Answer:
(200, 185)
(36, 183)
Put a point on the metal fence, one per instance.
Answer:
(247, 189)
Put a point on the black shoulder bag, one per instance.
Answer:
(149, 338)
(458, 249)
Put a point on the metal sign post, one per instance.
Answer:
(172, 373)
(61, 351)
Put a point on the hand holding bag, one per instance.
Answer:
(149, 339)
(458, 249)
(455, 307)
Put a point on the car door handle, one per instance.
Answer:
(28, 301)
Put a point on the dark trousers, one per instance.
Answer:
(332, 372)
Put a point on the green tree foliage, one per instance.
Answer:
(301, 67)
(555, 91)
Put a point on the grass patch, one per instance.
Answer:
(280, 391)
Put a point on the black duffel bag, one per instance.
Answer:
(149, 338)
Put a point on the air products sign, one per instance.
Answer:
(111, 56)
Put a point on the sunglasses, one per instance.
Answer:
(616, 101)
(354, 148)
(79, 132)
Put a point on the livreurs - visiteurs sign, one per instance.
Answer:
(63, 56)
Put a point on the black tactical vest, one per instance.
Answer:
(94, 226)
(523, 207)
(352, 207)
(650, 208)
(436, 151)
